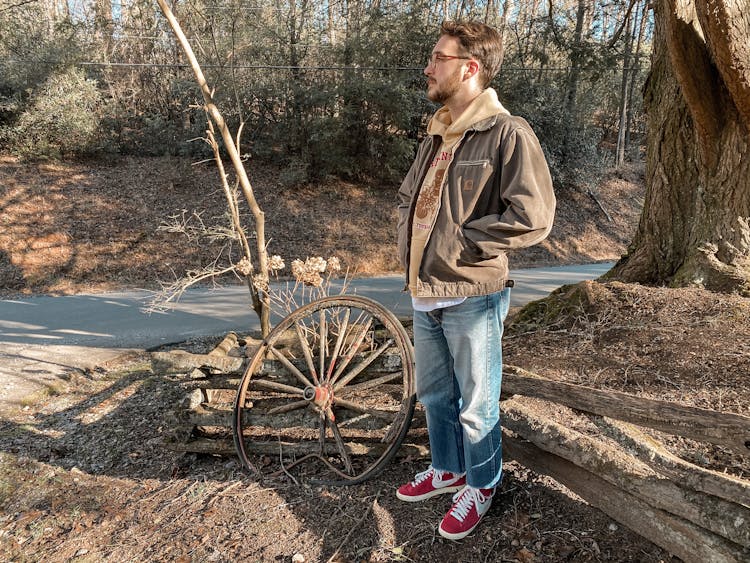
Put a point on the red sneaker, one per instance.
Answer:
(469, 505)
(430, 483)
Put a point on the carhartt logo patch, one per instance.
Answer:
(468, 185)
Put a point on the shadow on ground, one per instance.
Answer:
(86, 474)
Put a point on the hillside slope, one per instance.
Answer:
(92, 226)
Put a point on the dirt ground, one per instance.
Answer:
(85, 472)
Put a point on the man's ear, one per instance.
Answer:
(472, 68)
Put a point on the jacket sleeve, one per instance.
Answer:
(405, 196)
(526, 190)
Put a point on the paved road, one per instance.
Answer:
(42, 338)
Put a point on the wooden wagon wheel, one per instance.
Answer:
(329, 392)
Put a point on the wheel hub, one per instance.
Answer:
(320, 395)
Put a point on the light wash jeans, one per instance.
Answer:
(459, 363)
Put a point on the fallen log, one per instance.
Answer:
(225, 446)
(179, 361)
(615, 466)
(691, 543)
(654, 454)
(724, 429)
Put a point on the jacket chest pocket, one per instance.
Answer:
(471, 177)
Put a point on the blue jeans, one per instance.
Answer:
(459, 362)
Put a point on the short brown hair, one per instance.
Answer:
(482, 42)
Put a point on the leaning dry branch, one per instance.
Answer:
(171, 292)
(215, 118)
(234, 212)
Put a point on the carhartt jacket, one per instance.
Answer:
(497, 196)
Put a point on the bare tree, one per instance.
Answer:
(695, 226)
(584, 12)
(257, 282)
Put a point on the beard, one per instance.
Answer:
(441, 94)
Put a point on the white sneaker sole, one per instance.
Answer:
(434, 493)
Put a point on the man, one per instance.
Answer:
(478, 188)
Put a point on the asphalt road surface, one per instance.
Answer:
(44, 337)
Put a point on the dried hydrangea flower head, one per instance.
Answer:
(244, 267)
(334, 265)
(276, 263)
(316, 264)
(298, 268)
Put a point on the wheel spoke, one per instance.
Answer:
(273, 386)
(339, 341)
(291, 367)
(371, 383)
(352, 350)
(322, 435)
(363, 365)
(349, 468)
(306, 351)
(323, 338)
(289, 408)
(351, 405)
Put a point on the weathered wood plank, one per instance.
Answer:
(301, 418)
(179, 361)
(654, 454)
(215, 415)
(228, 343)
(691, 543)
(725, 429)
(225, 446)
(612, 464)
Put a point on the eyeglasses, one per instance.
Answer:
(436, 58)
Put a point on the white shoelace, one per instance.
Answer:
(419, 477)
(465, 499)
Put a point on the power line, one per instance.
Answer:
(271, 67)
(185, 65)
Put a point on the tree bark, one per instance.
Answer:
(726, 429)
(695, 226)
(598, 457)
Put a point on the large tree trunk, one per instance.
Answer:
(695, 226)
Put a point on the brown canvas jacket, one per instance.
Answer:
(497, 197)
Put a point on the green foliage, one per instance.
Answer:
(321, 88)
(62, 118)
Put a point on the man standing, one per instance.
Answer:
(478, 188)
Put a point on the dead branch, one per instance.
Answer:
(232, 149)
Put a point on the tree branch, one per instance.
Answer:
(694, 71)
(727, 30)
(234, 156)
(617, 34)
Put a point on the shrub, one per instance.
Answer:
(62, 118)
